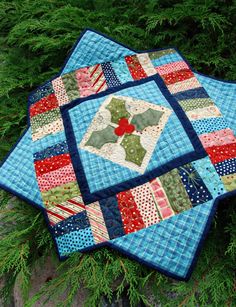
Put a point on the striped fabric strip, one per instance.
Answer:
(196, 103)
(84, 82)
(60, 194)
(220, 153)
(97, 222)
(111, 78)
(184, 94)
(226, 167)
(229, 182)
(41, 92)
(55, 150)
(175, 191)
(60, 212)
(160, 53)
(97, 78)
(45, 118)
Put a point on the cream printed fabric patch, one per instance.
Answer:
(125, 130)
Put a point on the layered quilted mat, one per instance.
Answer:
(128, 149)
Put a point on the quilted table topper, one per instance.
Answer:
(128, 149)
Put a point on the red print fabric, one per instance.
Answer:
(131, 217)
(220, 153)
(51, 164)
(135, 68)
(43, 105)
(177, 76)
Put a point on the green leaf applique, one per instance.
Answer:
(148, 118)
(99, 138)
(117, 109)
(134, 150)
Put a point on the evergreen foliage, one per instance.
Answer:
(35, 38)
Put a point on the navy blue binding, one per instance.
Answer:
(88, 197)
(216, 202)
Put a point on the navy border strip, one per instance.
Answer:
(88, 197)
(216, 202)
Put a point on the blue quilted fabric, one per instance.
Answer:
(94, 48)
(171, 245)
(17, 173)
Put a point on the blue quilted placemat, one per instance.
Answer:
(170, 246)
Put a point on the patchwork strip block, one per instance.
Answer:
(221, 153)
(136, 70)
(218, 138)
(146, 204)
(171, 67)
(164, 208)
(177, 76)
(226, 167)
(130, 214)
(51, 164)
(97, 222)
(60, 194)
(44, 105)
(56, 178)
(207, 112)
(60, 91)
(196, 103)
(112, 217)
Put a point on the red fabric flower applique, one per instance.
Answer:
(124, 127)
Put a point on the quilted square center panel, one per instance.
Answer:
(125, 130)
(127, 136)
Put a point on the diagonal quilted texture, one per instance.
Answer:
(128, 251)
